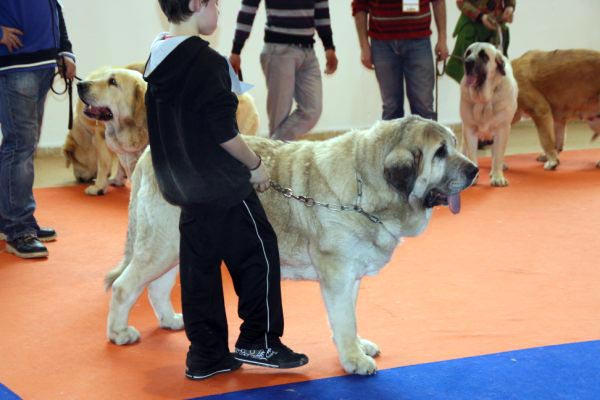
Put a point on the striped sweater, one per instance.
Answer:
(288, 21)
(387, 21)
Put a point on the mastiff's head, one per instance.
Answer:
(422, 164)
(482, 63)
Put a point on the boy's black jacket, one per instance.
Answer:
(191, 110)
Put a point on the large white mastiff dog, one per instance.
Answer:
(389, 176)
(488, 101)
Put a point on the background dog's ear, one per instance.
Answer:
(400, 170)
(138, 111)
(500, 64)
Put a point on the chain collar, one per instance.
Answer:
(311, 202)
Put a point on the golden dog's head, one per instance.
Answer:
(114, 94)
(482, 64)
(421, 162)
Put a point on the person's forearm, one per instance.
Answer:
(240, 151)
(360, 20)
(439, 13)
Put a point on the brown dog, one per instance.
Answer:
(554, 87)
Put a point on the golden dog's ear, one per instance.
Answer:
(401, 168)
(500, 64)
(138, 110)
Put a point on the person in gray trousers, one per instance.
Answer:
(288, 61)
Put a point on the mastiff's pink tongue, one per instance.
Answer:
(454, 203)
(471, 80)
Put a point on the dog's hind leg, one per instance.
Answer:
(159, 293)
(560, 134)
(339, 296)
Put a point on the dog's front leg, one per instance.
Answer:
(104, 157)
(469, 143)
(339, 296)
(498, 149)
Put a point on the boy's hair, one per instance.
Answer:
(177, 10)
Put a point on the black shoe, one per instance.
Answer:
(276, 356)
(28, 246)
(46, 234)
(43, 234)
(195, 372)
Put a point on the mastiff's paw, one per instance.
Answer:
(128, 335)
(368, 347)
(498, 180)
(359, 364)
(175, 322)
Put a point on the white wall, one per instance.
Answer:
(117, 32)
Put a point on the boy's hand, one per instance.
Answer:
(10, 38)
(259, 178)
(236, 62)
(332, 61)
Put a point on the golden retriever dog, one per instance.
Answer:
(388, 178)
(87, 147)
(488, 101)
(115, 97)
(554, 87)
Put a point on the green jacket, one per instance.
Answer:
(469, 30)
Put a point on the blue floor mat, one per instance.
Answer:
(6, 394)
(569, 371)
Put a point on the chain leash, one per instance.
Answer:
(311, 202)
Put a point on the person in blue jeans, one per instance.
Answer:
(395, 42)
(33, 37)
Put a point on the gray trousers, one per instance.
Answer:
(292, 73)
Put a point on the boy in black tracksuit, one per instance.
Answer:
(203, 166)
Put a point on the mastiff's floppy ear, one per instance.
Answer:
(400, 170)
(500, 63)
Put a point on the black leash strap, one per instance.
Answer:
(68, 88)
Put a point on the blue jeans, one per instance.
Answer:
(22, 98)
(397, 61)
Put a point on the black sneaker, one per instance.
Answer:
(43, 234)
(46, 234)
(195, 373)
(28, 246)
(276, 356)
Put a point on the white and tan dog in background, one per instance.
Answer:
(488, 101)
(402, 168)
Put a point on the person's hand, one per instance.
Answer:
(488, 22)
(507, 15)
(365, 57)
(259, 178)
(69, 70)
(332, 61)
(236, 62)
(441, 49)
(10, 38)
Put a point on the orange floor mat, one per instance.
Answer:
(518, 268)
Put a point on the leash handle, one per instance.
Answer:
(62, 66)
